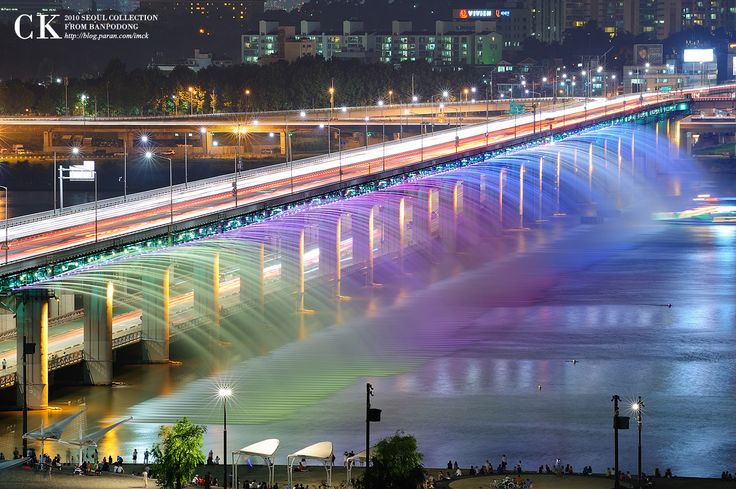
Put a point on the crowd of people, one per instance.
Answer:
(514, 474)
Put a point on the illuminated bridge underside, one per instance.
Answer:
(44, 246)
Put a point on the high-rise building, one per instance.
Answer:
(452, 43)
(212, 9)
(711, 14)
(546, 19)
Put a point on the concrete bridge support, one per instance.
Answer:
(32, 315)
(395, 226)
(155, 320)
(98, 358)
(451, 195)
(363, 240)
(250, 268)
(292, 265)
(422, 211)
(206, 287)
(329, 238)
(473, 211)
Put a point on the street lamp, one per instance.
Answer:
(83, 97)
(5, 246)
(339, 144)
(149, 156)
(191, 100)
(224, 393)
(637, 407)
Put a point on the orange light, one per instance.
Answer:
(463, 14)
(331, 90)
(191, 89)
(247, 91)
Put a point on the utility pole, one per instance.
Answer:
(371, 415)
(619, 423)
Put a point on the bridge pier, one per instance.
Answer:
(329, 238)
(251, 277)
(292, 265)
(155, 318)
(32, 322)
(422, 210)
(98, 359)
(472, 213)
(395, 237)
(206, 287)
(363, 227)
(450, 208)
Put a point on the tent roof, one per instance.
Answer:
(54, 431)
(90, 439)
(320, 451)
(360, 455)
(265, 448)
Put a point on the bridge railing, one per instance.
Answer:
(227, 178)
(282, 113)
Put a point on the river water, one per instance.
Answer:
(472, 353)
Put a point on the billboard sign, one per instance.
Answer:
(698, 56)
(648, 53)
(82, 173)
(470, 14)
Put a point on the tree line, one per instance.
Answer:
(302, 84)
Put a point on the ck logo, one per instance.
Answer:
(45, 30)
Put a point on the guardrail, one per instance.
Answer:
(209, 182)
(279, 113)
(127, 339)
(60, 361)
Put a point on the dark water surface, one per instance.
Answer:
(472, 353)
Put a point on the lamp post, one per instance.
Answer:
(191, 100)
(186, 157)
(224, 393)
(83, 97)
(149, 156)
(638, 406)
(383, 134)
(5, 246)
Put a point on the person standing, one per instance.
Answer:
(135, 455)
(145, 457)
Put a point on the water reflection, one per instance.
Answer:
(458, 344)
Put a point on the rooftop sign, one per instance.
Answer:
(467, 14)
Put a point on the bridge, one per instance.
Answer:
(213, 135)
(50, 245)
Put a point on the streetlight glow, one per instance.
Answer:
(75, 150)
(445, 94)
(380, 103)
(202, 130)
(149, 155)
(224, 392)
(302, 113)
(144, 138)
(414, 98)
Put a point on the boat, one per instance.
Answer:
(709, 210)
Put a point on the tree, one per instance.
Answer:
(395, 464)
(178, 452)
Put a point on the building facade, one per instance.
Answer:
(450, 44)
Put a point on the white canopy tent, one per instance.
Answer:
(91, 439)
(264, 449)
(321, 451)
(352, 460)
(52, 432)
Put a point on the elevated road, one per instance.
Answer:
(40, 239)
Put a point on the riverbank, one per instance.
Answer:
(27, 479)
